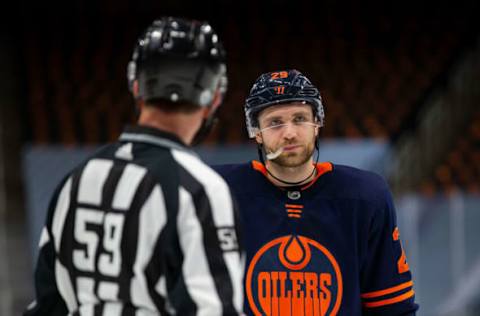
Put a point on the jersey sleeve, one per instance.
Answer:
(387, 285)
(213, 259)
(48, 300)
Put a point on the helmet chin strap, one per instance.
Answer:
(262, 160)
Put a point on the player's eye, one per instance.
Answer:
(275, 123)
(300, 119)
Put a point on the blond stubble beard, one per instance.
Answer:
(292, 159)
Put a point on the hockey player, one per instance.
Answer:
(321, 238)
(144, 227)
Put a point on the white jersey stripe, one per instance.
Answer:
(112, 309)
(161, 286)
(108, 291)
(217, 190)
(44, 238)
(127, 186)
(61, 210)
(235, 265)
(222, 211)
(92, 180)
(196, 273)
(144, 312)
(65, 286)
(86, 310)
(152, 219)
(85, 287)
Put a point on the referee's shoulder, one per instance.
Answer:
(198, 169)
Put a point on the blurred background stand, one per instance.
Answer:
(15, 259)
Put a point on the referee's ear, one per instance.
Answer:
(135, 89)
(217, 101)
(138, 102)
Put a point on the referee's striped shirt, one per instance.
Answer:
(143, 227)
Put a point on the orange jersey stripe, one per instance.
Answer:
(294, 215)
(293, 206)
(389, 301)
(257, 165)
(322, 167)
(390, 290)
(294, 211)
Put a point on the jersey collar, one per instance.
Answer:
(322, 168)
(153, 136)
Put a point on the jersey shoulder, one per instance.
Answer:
(354, 183)
(235, 172)
(198, 168)
(231, 170)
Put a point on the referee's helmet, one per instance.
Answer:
(178, 60)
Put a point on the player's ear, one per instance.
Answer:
(317, 127)
(259, 138)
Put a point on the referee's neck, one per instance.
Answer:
(183, 125)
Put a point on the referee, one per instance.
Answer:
(144, 227)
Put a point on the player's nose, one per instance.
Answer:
(289, 131)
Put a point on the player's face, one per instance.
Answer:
(291, 127)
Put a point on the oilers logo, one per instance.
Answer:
(294, 276)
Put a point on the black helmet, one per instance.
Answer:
(178, 60)
(278, 87)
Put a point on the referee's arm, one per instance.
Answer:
(48, 300)
(212, 267)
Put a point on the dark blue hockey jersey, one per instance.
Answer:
(330, 247)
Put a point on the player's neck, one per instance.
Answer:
(291, 174)
(182, 125)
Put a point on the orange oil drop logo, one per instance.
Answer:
(294, 276)
(294, 253)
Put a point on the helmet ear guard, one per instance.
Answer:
(281, 87)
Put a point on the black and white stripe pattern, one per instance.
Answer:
(216, 196)
(136, 232)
